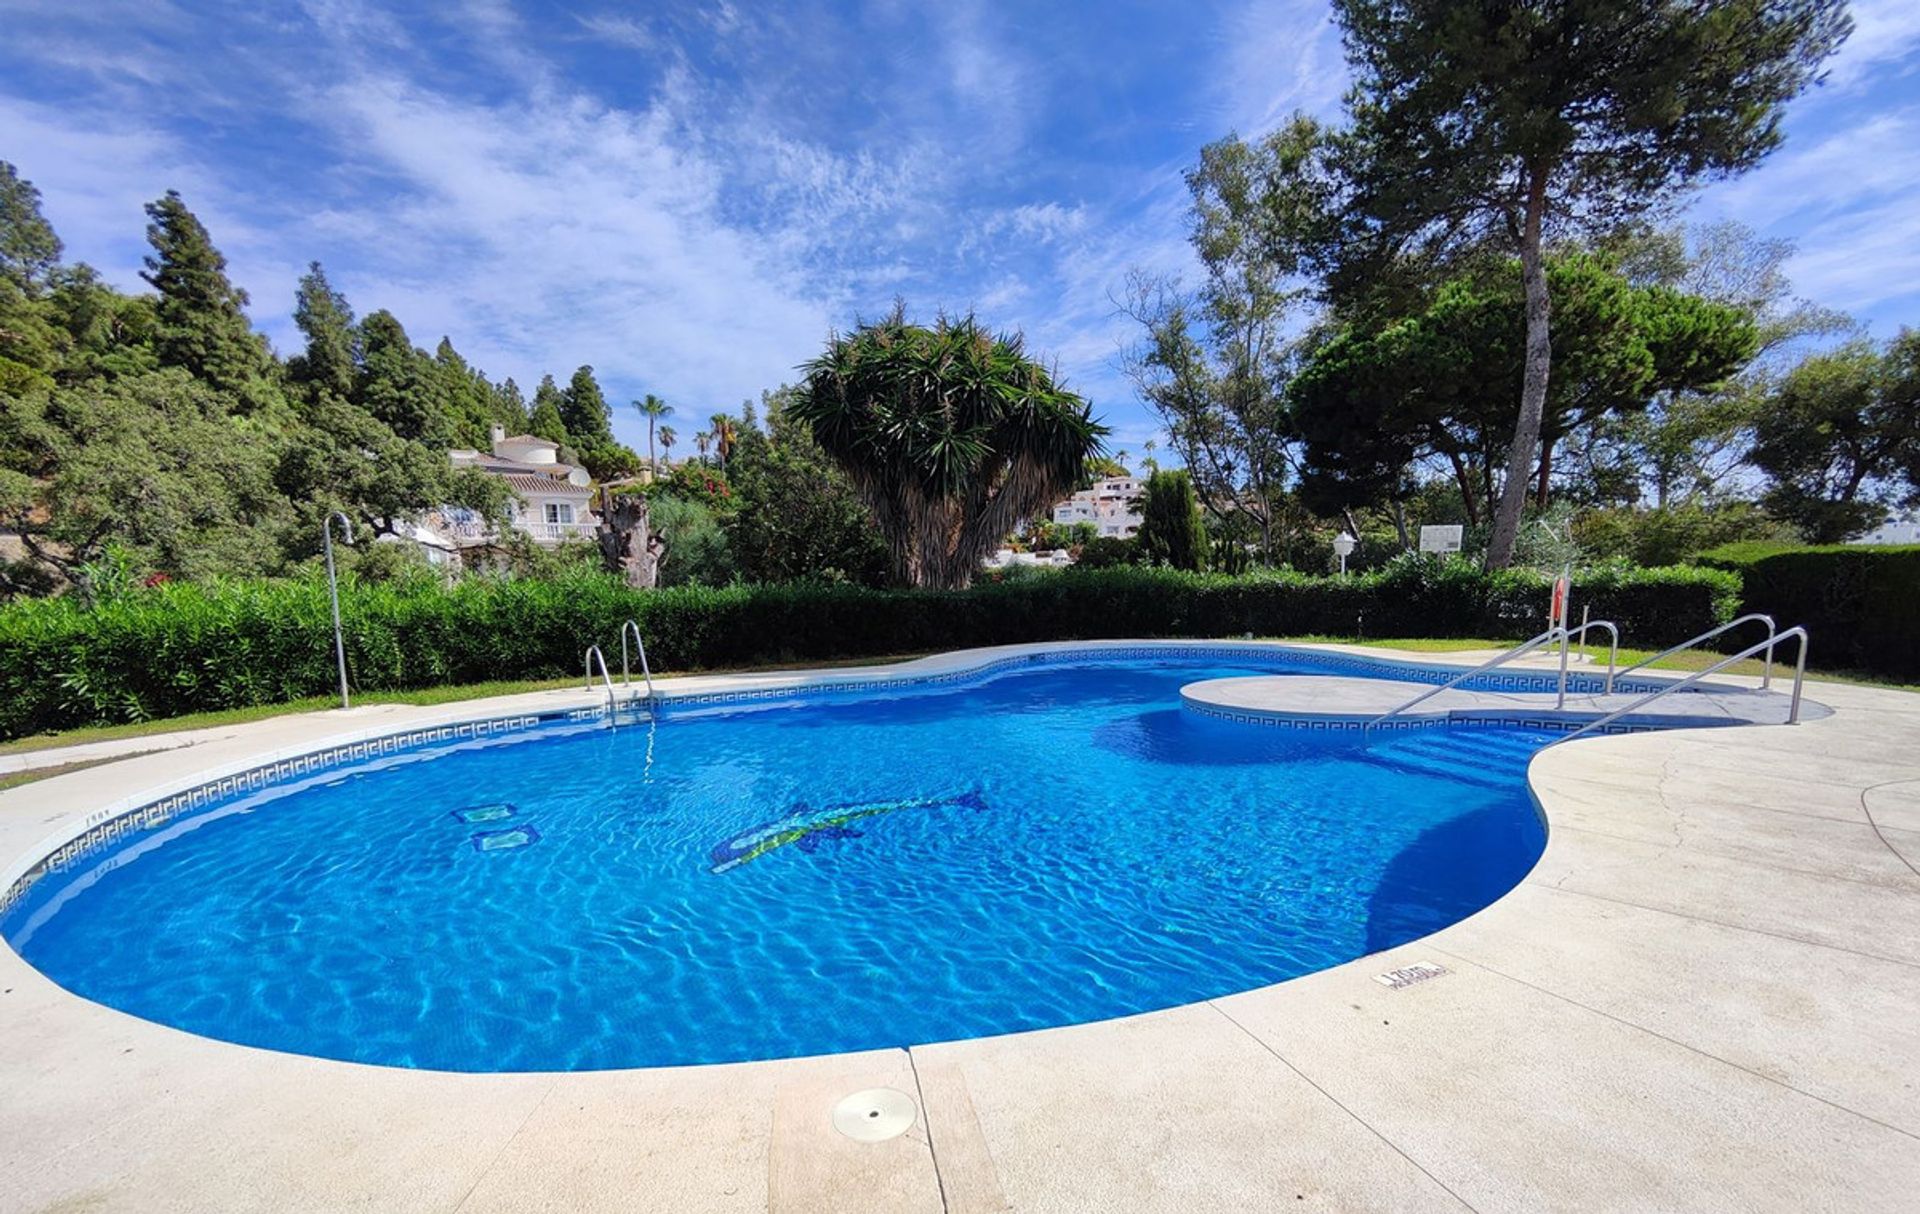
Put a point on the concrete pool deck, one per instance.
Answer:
(1705, 996)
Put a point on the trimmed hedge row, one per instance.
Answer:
(1860, 604)
(182, 648)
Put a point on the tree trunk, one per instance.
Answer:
(1400, 525)
(1468, 500)
(1533, 392)
(1546, 474)
(628, 545)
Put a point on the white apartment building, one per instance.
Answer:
(1112, 505)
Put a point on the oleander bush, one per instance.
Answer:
(185, 647)
(1860, 603)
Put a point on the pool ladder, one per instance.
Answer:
(594, 655)
(1556, 635)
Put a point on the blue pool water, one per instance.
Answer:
(1053, 845)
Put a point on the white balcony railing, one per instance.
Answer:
(541, 531)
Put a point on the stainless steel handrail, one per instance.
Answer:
(1766, 679)
(593, 651)
(1525, 647)
(1793, 708)
(626, 674)
(333, 594)
(1613, 648)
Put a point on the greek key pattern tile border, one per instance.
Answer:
(1441, 721)
(106, 827)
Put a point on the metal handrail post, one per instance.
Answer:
(1766, 681)
(593, 651)
(333, 594)
(1520, 650)
(1793, 709)
(1566, 639)
(646, 672)
(1613, 648)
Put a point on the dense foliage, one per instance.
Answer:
(161, 426)
(1857, 603)
(176, 648)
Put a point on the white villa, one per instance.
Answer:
(555, 498)
(1112, 505)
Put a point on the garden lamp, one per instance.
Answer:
(1343, 548)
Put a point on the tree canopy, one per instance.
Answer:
(951, 434)
(1515, 121)
(1444, 383)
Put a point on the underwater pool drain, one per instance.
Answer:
(875, 1114)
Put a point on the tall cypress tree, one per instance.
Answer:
(201, 322)
(1171, 532)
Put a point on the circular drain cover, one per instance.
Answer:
(874, 1115)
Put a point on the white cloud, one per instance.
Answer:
(1279, 56)
(1848, 201)
(619, 31)
(1885, 34)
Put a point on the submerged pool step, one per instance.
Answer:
(1454, 754)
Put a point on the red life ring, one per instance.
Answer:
(1557, 613)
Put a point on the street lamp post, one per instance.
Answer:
(333, 594)
(1343, 548)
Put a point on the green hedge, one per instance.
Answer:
(1860, 604)
(182, 648)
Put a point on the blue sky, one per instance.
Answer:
(689, 195)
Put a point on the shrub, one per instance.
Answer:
(185, 647)
(1107, 552)
(1860, 604)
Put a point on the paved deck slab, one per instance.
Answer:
(1701, 998)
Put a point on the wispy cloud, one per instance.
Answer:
(689, 194)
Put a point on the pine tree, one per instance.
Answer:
(399, 384)
(584, 410)
(202, 325)
(29, 249)
(1525, 120)
(470, 398)
(510, 407)
(546, 420)
(332, 356)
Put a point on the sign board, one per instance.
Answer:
(1441, 539)
(1406, 976)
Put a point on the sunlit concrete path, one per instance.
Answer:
(1702, 998)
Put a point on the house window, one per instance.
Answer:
(559, 512)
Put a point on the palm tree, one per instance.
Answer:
(1121, 459)
(702, 441)
(653, 409)
(667, 439)
(951, 435)
(723, 436)
(1152, 464)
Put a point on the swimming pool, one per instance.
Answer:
(1038, 846)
